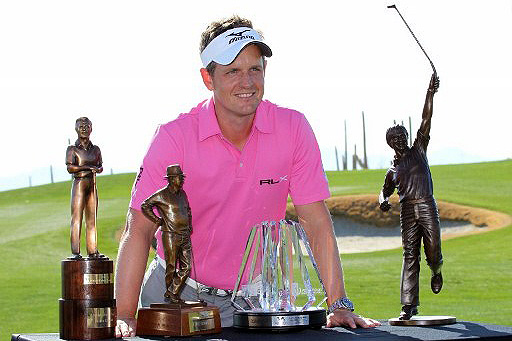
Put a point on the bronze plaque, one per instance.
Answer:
(107, 278)
(201, 321)
(100, 317)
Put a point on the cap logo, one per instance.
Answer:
(238, 36)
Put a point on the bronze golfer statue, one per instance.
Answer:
(419, 218)
(175, 317)
(175, 222)
(83, 160)
(87, 307)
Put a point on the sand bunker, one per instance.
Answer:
(360, 225)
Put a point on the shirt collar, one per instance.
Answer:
(209, 126)
(79, 145)
(262, 121)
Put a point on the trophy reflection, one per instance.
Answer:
(278, 277)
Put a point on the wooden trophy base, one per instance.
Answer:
(178, 319)
(87, 308)
(87, 319)
(423, 321)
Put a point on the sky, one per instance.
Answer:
(131, 65)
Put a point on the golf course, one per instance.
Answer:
(477, 270)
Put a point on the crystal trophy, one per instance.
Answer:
(277, 279)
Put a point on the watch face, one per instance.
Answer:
(347, 303)
(343, 302)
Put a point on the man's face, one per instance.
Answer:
(177, 180)
(238, 87)
(83, 128)
(399, 142)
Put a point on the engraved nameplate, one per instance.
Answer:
(290, 320)
(107, 278)
(201, 320)
(99, 317)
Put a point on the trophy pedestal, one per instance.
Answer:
(178, 319)
(423, 321)
(87, 308)
(279, 278)
(279, 320)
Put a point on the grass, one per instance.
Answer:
(34, 238)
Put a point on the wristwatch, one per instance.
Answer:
(343, 302)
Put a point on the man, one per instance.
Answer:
(83, 160)
(242, 156)
(419, 218)
(175, 222)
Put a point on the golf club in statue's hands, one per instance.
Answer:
(417, 41)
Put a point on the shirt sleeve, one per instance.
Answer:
(421, 141)
(147, 206)
(100, 160)
(308, 182)
(163, 150)
(70, 156)
(389, 183)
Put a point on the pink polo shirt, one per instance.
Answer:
(230, 191)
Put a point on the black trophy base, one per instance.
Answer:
(423, 321)
(279, 320)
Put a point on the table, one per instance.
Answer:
(462, 330)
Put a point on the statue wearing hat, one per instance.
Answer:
(175, 222)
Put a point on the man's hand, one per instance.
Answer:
(385, 206)
(434, 83)
(131, 264)
(346, 318)
(126, 327)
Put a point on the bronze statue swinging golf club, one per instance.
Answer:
(419, 218)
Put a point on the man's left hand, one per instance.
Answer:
(346, 318)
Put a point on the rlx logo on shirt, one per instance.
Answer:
(272, 181)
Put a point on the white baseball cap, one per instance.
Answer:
(224, 48)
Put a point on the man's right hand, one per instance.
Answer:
(434, 83)
(131, 264)
(126, 327)
(385, 206)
